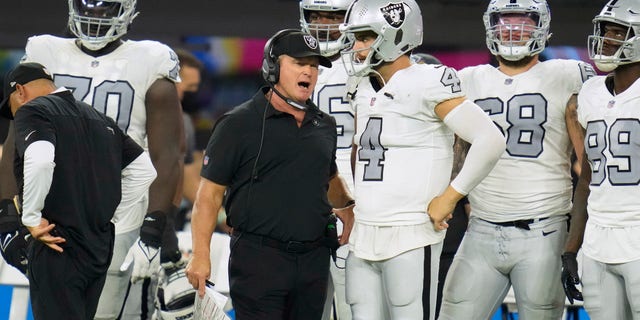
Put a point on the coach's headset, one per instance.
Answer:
(271, 66)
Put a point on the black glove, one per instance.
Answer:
(170, 253)
(570, 276)
(14, 237)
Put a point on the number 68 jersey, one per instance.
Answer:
(404, 150)
(114, 84)
(532, 178)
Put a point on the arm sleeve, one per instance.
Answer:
(136, 179)
(487, 144)
(38, 175)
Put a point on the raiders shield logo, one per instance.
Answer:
(394, 14)
(310, 41)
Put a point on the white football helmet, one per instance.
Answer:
(175, 297)
(97, 23)
(397, 24)
(514, 47)
(328, 47)
(626, 14)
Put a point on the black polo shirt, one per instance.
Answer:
(90, 153)
(282, 193)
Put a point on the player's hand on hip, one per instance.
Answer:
(346, 216)
(570, 276)
(145, 259)
(198, 271)
(440, 210)
(42, 232)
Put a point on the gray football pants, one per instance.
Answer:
(491, 258)
(394, 288)
(611, 291)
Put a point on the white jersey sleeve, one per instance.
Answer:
(404, 151)
(612, 145)
(115, 84)
(532, 179)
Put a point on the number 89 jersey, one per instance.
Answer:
(114, 84)
(404, 150)
(612, 144)
(532, 179)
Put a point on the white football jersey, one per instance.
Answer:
(404, 150)
(532, 179)
(330, 95)
(114, 84)
(612, 234)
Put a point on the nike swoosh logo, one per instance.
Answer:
(29, 135)
(7, 240)
(149, 219)
(548, 233)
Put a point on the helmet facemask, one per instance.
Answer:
(609, 49)
(516, 31)
(360, 62)
(330, 39)
(97, 23)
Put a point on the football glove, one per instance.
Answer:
(570, 276)
(14, 237)
(145, 252)
(170, 252)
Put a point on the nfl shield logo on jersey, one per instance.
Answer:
(394, 14)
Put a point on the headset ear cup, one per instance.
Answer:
(265, 69)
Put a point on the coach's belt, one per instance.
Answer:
(287, 246)
(522, 224)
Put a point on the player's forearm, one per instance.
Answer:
(338, 193)
(579, 215)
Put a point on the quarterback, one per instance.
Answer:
(406, 117)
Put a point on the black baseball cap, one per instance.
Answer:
(21, 74)
(299, 45)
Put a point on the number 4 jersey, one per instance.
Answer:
(114, 84)
(532, 179)
(404, 155)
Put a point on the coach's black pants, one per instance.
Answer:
(269, 283)
(58, 288)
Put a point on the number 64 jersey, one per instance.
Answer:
(532, 178)
(404, 150)
(612, 145)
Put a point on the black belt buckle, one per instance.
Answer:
(295, 247)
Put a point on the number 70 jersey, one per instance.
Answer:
(115, 84)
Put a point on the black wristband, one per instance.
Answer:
(152, 228)
(350, 202)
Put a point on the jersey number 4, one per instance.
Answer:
(526, 114)
(372, 151)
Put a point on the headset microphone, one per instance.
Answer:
(287, 100)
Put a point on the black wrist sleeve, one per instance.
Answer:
(152, 228)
